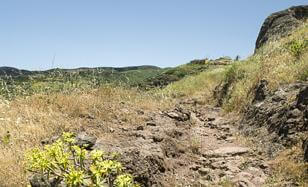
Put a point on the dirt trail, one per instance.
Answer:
(189, 145)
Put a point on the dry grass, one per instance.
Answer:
(25, 122)
(288, 166)
(274, 63)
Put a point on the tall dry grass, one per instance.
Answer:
(274, 62)
(25, 122)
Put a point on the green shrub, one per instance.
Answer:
(67, 162)
(234, 73)
(296, 47)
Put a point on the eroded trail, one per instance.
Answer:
(188, 145)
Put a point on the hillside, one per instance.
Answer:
(15, 82)
(219, 122)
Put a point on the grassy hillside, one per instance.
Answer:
(279, 62)
(14, 82)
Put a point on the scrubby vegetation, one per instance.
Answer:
(279, 62)
(68, 81)
(26, 121)
(74, 165)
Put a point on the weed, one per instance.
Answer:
(297, 47)
(6, 138)
(226, 183)
(195, 145)
(74, 165)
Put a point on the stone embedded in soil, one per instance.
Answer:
(250, 177)
(111, 130)
(38, 180)
(157, 139)
(227, 151)
(173, 115)
(204, 171)
(85, 141)
(140, 128)
(179, 115)
(211, 119)
(82, 140)
(151, 123)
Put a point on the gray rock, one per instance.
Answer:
(157, 139)
(204, 171)
(85, 141)
(280, 123)
(302, 98)
(227, 151)
(179, 114)
(42, 181)
(50, 140)
(140, 128)
(281, 23)
(173, 115)
(261, 91)
(151, 123)
(211, 119)
(295, 113)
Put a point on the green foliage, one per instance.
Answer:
(124, 180)
(297, 47)
(240, 70)
(6, 139)
(76, 166)
(304, 75)
(234, 73)
(203, 82)
(70, 81)
(171, 75)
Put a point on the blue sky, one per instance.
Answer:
(96, 33)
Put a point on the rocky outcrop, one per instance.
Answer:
(281, 23)
(278, 119)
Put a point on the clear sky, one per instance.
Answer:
(96, 33)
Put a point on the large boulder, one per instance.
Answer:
(281, 23)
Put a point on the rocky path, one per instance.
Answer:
(189, 145)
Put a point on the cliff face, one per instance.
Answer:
(281, 23)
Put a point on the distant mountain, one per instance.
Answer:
(11, 71)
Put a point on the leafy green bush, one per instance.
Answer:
(75, 166)
(235, 72)
(296, 47)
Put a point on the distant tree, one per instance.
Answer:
(237, 58)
